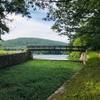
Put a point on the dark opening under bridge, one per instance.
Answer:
(57, 48)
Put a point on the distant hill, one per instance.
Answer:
(23, 42)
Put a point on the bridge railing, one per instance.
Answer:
(62, 48)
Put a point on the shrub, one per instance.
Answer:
(93, 62)
(74, 55)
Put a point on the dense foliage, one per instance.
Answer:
(78, 16)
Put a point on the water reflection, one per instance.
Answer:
(50, 57)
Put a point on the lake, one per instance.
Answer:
(50, 57)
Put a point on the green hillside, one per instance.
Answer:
(23, 42)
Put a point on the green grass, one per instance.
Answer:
(86, 84)
(35, 80)
(4, 52)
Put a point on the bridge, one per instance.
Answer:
(57, 48)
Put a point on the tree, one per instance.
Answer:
(17, 7)
(77, 16)
(9, 7)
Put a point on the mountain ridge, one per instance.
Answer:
(23, 42)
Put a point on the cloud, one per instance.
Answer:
(24, 27)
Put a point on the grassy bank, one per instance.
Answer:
(4, 52)
(34, 80)
(86, 84)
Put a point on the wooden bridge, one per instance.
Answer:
(57, 48)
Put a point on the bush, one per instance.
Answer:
(92, 54)
(93, 62)
(76, 42)
(74, 56)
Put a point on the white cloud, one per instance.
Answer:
(24, 27)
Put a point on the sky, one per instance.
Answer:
(34, 27)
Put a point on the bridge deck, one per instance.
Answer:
(57, 48)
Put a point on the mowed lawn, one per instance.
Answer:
(35, 80)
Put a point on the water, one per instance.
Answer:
(50, 57)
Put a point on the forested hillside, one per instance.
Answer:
(23, 42)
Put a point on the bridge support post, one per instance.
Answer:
(29, 53)
(83, 57)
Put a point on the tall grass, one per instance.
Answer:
(86, 84)
(34, 80)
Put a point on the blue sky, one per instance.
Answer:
(34, 27)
